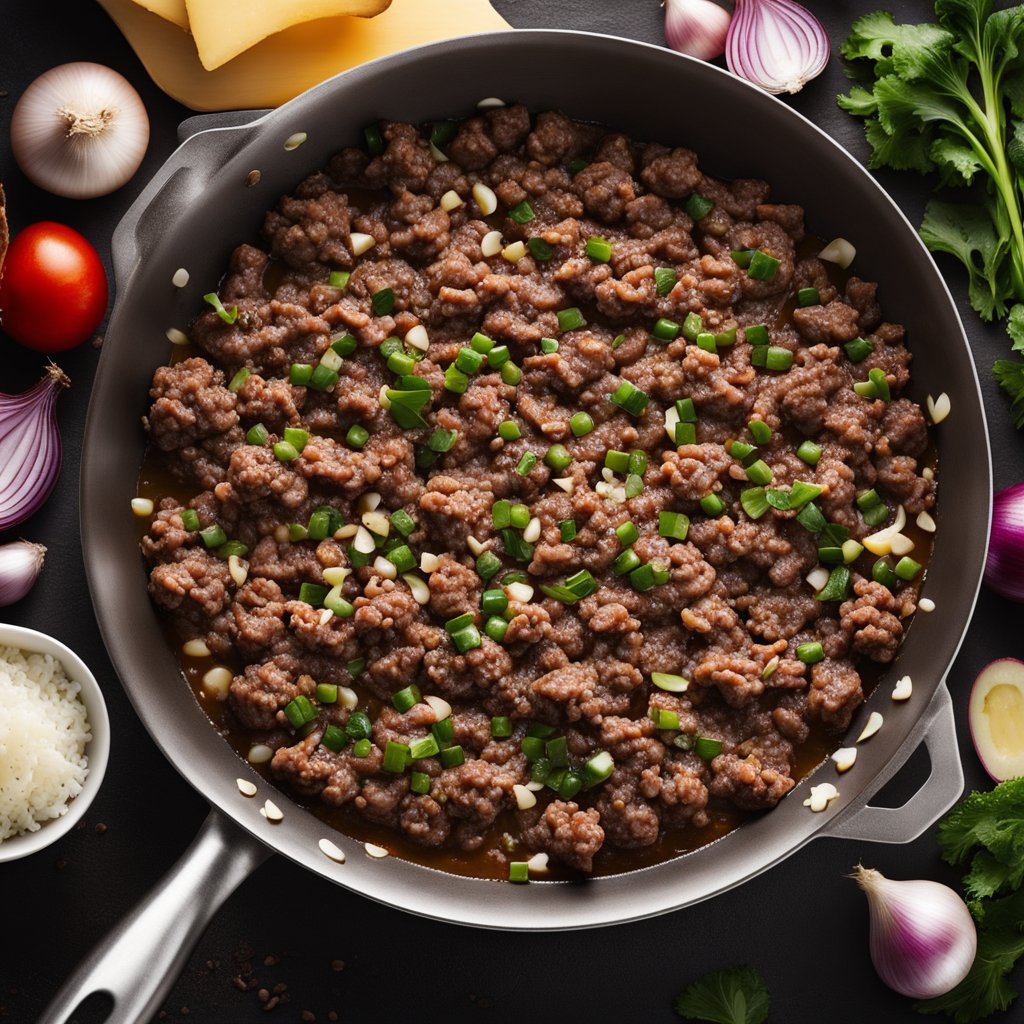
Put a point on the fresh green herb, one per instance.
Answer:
(947, 99)
(735, 995)
(229, 316)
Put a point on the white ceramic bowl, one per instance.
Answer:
(97, 749)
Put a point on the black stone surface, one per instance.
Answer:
(803, 924)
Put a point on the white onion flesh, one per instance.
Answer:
(80, 131)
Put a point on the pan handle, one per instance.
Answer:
(139, 961)
(945, 783)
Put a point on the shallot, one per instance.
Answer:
(20, 565)
(776, 44)
(79, 130)
(1004, 570)
(923, 938)
(696, 27)
(30, 448)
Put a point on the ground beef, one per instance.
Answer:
(467, 516)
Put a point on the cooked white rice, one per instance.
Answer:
(43, 732)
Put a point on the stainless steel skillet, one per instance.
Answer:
(194, 212)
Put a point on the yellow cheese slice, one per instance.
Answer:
(172, 10)
(294, 60)
(223, 29)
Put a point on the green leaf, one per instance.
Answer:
(965, 19)
(901, 153)
(967, 232)
(1011, 379)
(1015, 145)
(876, 36)
(860, 102)
(993, 820)
(957, 163)
(736, 995)
(1006, 914)
(1015, 327)
(1013, 89)
(986, 877)
(985, 990)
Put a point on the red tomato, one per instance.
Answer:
(53, 292)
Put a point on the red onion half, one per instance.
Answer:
(30, 450)
(776, 44)
(1004, 570)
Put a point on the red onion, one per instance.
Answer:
(696, 27)
(30, 450)
(776, 44)
(1004, 571)
(20, 564)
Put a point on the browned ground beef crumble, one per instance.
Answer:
(736, 600)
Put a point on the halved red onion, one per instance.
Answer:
(776, 44)
(30, 450)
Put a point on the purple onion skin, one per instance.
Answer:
(1004, 570)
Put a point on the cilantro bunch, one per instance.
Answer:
(948, 99)
(988, 830)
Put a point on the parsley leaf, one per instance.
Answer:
(993, 820)
(948, 99)
(736, 995)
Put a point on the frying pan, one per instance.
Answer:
(198, 208)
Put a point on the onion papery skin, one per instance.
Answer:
(776, 44)
(30, 447)
(1004, 569)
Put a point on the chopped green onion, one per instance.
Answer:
(498, 356)
(627, 533)
(338, 278)
(526, 463)
(389, 346)
(665, 279)
(383, 302)
(662, 573)
(723, 339)
(337, 604)
(357, 435)
(296, 532)
(511, 374)
(229, 316)
(693, 325)
(403, 522)
(627, 561)
(808, 297)
(698, 206)
(865, 388)
(684, 433)
(882, 572)
(778, 358)
(444, 731)
(740, 449)
(629, 398)
(334, 738)
(868, 499)
(323, 379)
(419, 782)
(425, 746)
(759, 356)
(618, 340)
(570, 319)
(598, 249)
(313, 594)
(452, 757)
(756, 335)
(466, 639)
(442, 132)
(801, 493)
(670, 683)
(665, 329)
(396, 757)
(876, 516)
(493, 602)
(809, 452)
(673, 524)
(707, 342)
(858, 349)
(742, 257)
(481, 343)
(319, 525)
(362, 748)
(582, 583)
(488, 565)
(469, 360)
(616, 461)
(239, 379)
(442, 440)
(706, 748)
(642, 578)
(598, 769)
(557, 457)
(557, 751)
(760, 431)
(754, 502)
(374, 140)
(540, 249)
(344, 345)
(402, 558)
(777, 499)
(190, 519)
(567, 530)
(810, 653)
(403, 700)
(762, 266)
(852, 550)
(830, 554)
(634, 485)
(401, 362)
(232, 547)
(518, 871)
(257, 435)
(834, 534)
(522, 213)
(508, 430)
(759, 472)
(213, 536)
(519, 517)
(299, 710)
(581, 423)
(501, 514)
(878, 378)
(501, 727)
(712, 505)
(300, 374)
(548, 345)
(359, 726)
(540, 730)
(459, 622)
(455, 380)
(907, 568)
(296, 437)
(496, 628)
(837, 586)
(664, 719)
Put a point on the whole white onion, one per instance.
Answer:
(79, 130)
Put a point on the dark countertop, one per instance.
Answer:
(803, 924)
